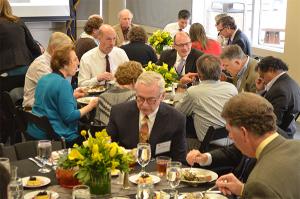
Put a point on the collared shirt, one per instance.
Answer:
(270, 84)
(85, 35)
(177, 62)
(93, 63)
(264, 143)
(232, 36)
(151, 119)
(173, 28)
(240, 74)
(38, 68)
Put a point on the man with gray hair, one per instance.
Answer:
(41, 66)
(148, 119)
(241, 67)
(125, 24)
(205, 101)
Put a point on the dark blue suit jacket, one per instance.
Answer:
(242, 40)
(284, 95)
(169, 125)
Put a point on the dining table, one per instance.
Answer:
(29, 168)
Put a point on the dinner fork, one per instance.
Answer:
(36, 162)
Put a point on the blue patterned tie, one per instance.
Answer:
(180, 66)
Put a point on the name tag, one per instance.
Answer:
(163, 147)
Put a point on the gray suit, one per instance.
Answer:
(169, 125)
(276, 173)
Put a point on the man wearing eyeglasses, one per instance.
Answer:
(227, 28)
(148, 119)
(182, 57)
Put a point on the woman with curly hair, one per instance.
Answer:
(201, 42)
(137, 49)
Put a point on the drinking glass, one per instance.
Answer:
(15, 187)
(143, 155)
(174, 176)
(5, 163)
(44, 148)
(81, 192)
(144, 191)
(161, 164)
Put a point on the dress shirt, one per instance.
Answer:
(93, 63)
(232, 36)
(270, 84)
(151, 120)
(173, 28)
(177, 62)
(241, 74)
(264, 143)
(85, 35)
(38, 68)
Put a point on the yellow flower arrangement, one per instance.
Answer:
(159, 39)
(96, 155)
(170, 75)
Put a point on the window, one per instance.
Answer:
(263, 21)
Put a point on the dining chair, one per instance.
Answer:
(211, 135)
(8, 152)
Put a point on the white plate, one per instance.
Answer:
(30, 195)
(134, 178)
(208, 195)
(43, 179)
(205, 172)
(84, 100)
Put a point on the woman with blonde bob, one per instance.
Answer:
(126, 76)
(55, 99)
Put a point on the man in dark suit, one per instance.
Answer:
(281, 91)
(182, 57)
(147, 119)
(251, 123)
(227, 28)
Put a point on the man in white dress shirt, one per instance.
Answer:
(99, 64)
(181, 25)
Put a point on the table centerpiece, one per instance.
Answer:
(160, 39)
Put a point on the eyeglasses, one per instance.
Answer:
(221, 30)
(150, 101)
(184, 44)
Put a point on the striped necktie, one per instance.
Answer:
(144, 130)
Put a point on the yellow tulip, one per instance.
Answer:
(113, 151)
(83, 133)
(75, 154)
(95, 148)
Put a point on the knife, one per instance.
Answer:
(36, 162)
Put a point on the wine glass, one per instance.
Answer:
(143, 155)
(174, 176)
(44, 148)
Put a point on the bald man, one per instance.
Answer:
(125, 24)
(99, 64)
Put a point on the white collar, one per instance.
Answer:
(178, 58)
(232, 36)
(151, 116)
(270, 84)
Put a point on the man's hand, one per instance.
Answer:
(79, 92)
(260, 84)
(228, 184)
(188, 78)
(195, 156)
(105, 76)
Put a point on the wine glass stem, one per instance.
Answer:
(143, 170)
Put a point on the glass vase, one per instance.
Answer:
(65, 177)
(100, 184)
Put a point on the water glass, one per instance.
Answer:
(143, 155)
(144, 191)
(44, 148)
(15, 187)
(5, 163)
(161, 164)
(81, 192)
(174, 175)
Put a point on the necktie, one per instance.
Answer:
(180, 29)
(229, 42)
(180, 67)
(107, 64)
(144, 131)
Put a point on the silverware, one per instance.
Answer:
(209, 190)
(36, 162)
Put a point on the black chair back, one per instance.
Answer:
(8, 152)
(211, 135)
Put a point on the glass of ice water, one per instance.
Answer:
(44, 148)
(143, 155)
(174, 175)
(15, 187)
(81, 192)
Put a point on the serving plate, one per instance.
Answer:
(204, 176)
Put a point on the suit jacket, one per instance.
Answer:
(119, 34)
(169, 57)
(242, 40)
(140, 52)
(17, 46)
(169, 125)
(249, 77)
(231, 157)
(276, 173)
(284, 95)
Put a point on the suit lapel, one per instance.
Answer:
(134, 123)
